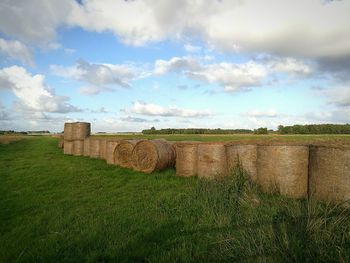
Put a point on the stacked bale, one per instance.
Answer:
(212, 161)
(110, 148)
(330, 173)
(123, 153)
(283, 168)
(103, 144)
(154, 155)
(87, 146)
(94, 150)
(78, 147)
(81, 130)
(68, 138)
(244, 155)
(68, 147)
(186, 158)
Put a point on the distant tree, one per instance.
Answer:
(261, 131)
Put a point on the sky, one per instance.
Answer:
(133, 64)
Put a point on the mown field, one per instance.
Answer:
(58, 208)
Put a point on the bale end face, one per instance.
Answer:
(123, 153)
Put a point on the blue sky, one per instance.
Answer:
(131, 65)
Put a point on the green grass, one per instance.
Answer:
(57, 208)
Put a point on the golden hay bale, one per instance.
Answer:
(283, 168)
(186, 158)
(103, 144)
(94, 148)
(81, 130)
(87, 146)
(68, 147)
(110, 147)
(68, 131)
(123, 153)
(330, 173)
(246, 155)
(154, 155)
(212, 161)
(78, 147)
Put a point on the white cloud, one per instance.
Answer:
(32, 92)
(176, 64)
(35, 20)
(313, 28)
(16, 50)
(233, 77)
(149, 109)
(99, 77)
(271, 113)
(279, 27)
(192, 49)
(339, 96)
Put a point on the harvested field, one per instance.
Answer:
(59, 208)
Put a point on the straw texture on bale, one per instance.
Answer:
(283, 168)
(245, 155)
(68, 131)
(186, 158)
(68, 147)
(123, 153)
(87, 146)
(110, 148)
(103, 144)
(94, 148)
(329, 173)
(154, 155)
(78, 147)
(212, 161)
(81, 130)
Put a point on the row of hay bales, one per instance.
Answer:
(74, 135)
(293, 170)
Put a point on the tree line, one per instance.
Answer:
(294, 129)
(315, 129)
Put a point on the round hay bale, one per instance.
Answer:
(154, 155)
(87, 146)
(68, 147)
(245, 155)
(212, 161)
(186, 158)
(68, 131)
(283, 169)
(330, 173)
(103, 144)
(110, 147)
(123, 153)
(81, 130)
(94, 148)
(78, 147)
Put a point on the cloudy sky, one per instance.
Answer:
(133, 64)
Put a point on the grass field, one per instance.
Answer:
(58, 208)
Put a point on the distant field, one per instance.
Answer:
(59, 208)
(317, 139)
